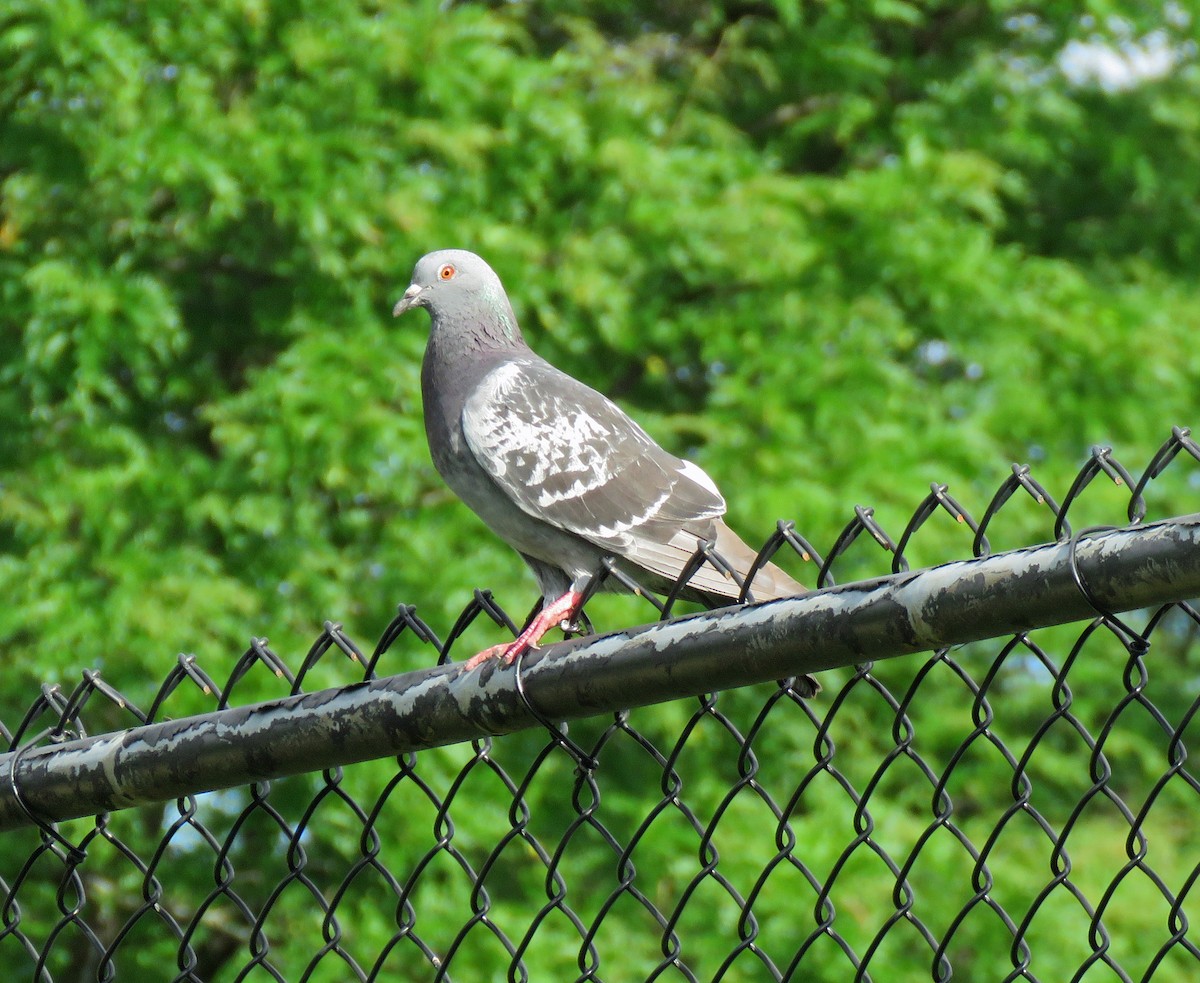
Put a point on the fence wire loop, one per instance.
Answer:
(75, 855)
(584, 762)
(863, 521)
(1099, 462)
(1180, 440)
(938, 497)
(1134, 641)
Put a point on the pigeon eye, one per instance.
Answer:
(446, 272)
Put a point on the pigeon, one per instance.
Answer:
(556, 469)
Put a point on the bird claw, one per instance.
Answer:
(481, 657)
(509, 652)
(506, 652)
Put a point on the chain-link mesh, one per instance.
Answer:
(1015, 809)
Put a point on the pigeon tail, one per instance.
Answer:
(769, 584)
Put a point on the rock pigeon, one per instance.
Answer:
(554, 468)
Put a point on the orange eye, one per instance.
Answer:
(446, 272)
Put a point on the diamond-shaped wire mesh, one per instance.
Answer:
(1015, 809)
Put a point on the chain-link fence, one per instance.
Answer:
(1017, 805)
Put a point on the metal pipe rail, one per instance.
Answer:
(1110, 571)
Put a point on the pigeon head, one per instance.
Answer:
(461, 291)
(443, 277)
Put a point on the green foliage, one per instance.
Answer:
(832, 251)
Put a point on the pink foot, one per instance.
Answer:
(560, 612)
(489, 653)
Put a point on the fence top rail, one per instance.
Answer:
(1106, 572)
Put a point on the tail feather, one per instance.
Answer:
(657, 562)
(769, 583)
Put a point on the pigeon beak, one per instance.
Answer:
(408, 301)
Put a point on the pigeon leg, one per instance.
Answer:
(555, 613)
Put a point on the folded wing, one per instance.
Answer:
(570, 457)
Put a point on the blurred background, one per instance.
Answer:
(830, 251)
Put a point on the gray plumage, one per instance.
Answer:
(551, 466)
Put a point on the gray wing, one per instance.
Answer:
(568, 456)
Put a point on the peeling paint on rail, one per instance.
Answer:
(968, 600)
